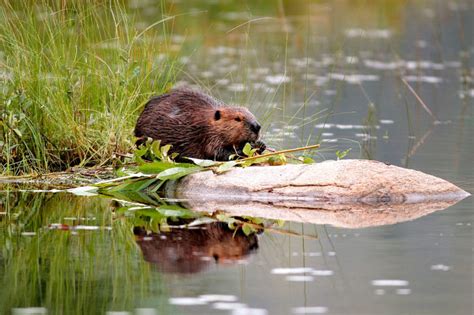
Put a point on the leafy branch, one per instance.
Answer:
(155, 165)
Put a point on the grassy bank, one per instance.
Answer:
(73, 77)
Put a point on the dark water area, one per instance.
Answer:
(349, 74)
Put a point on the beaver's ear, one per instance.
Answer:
(217, 115)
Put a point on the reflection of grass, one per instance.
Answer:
(87, 273)
(73, 77)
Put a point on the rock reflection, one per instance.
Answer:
(345, 216)
(193, 249)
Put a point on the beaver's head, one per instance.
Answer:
(236, 125)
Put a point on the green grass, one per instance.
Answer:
(73, 77)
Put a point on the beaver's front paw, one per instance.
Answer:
(260, 145)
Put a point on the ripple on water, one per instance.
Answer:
(249, 311)
(440, 267)
(146, 311)
(222, 81)
(380, 65)
(301, 62)
(423, 64)
(329, 140)
(299, 278)
(228, 306)
(290, 271)
(29, 310)
(222, 50)
(207, 74)
(352, 60)
(423, 79)
(187, 301)
(404, 291)
(218, 302)
(406, 64)
(467, 93)
(322, 273)
(344, 126)
(277, 79)
(218, 298)
(389, 283)
(310, 310)
(237, 87)
(354, 78)
(368, 33)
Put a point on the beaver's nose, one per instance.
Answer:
(255, 127)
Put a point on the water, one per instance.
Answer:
(326, 71)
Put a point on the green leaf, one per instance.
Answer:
(222, 217)
(145, 184)
(18, 132)
(226, 166)
(254, 220)
(155, 167)
(247, 150)
(134, 185)
(279, 159)
(177, 172)
(306, 160)
(204, 163)
(248, 229)
(157, 187)
(149, 213)
(342, 154)
(121, 172)
(156, 150)
(138, 154)
(84, 191)
(165, 149)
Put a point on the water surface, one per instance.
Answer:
(330, 72)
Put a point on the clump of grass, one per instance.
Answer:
(73, 77)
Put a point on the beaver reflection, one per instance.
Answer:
(193, 249)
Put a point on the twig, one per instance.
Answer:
(290, 233)
(310, 147)
(126, 155)
(276, 231)
(427, 109)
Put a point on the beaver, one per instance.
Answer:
(197, 125)
(194, 250)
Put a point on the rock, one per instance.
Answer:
(342, 182)
(348, 193)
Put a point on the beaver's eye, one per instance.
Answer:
(238, 119)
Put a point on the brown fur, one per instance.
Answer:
(193, 250)
(197, 125)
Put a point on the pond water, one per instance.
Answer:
(391, 81)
